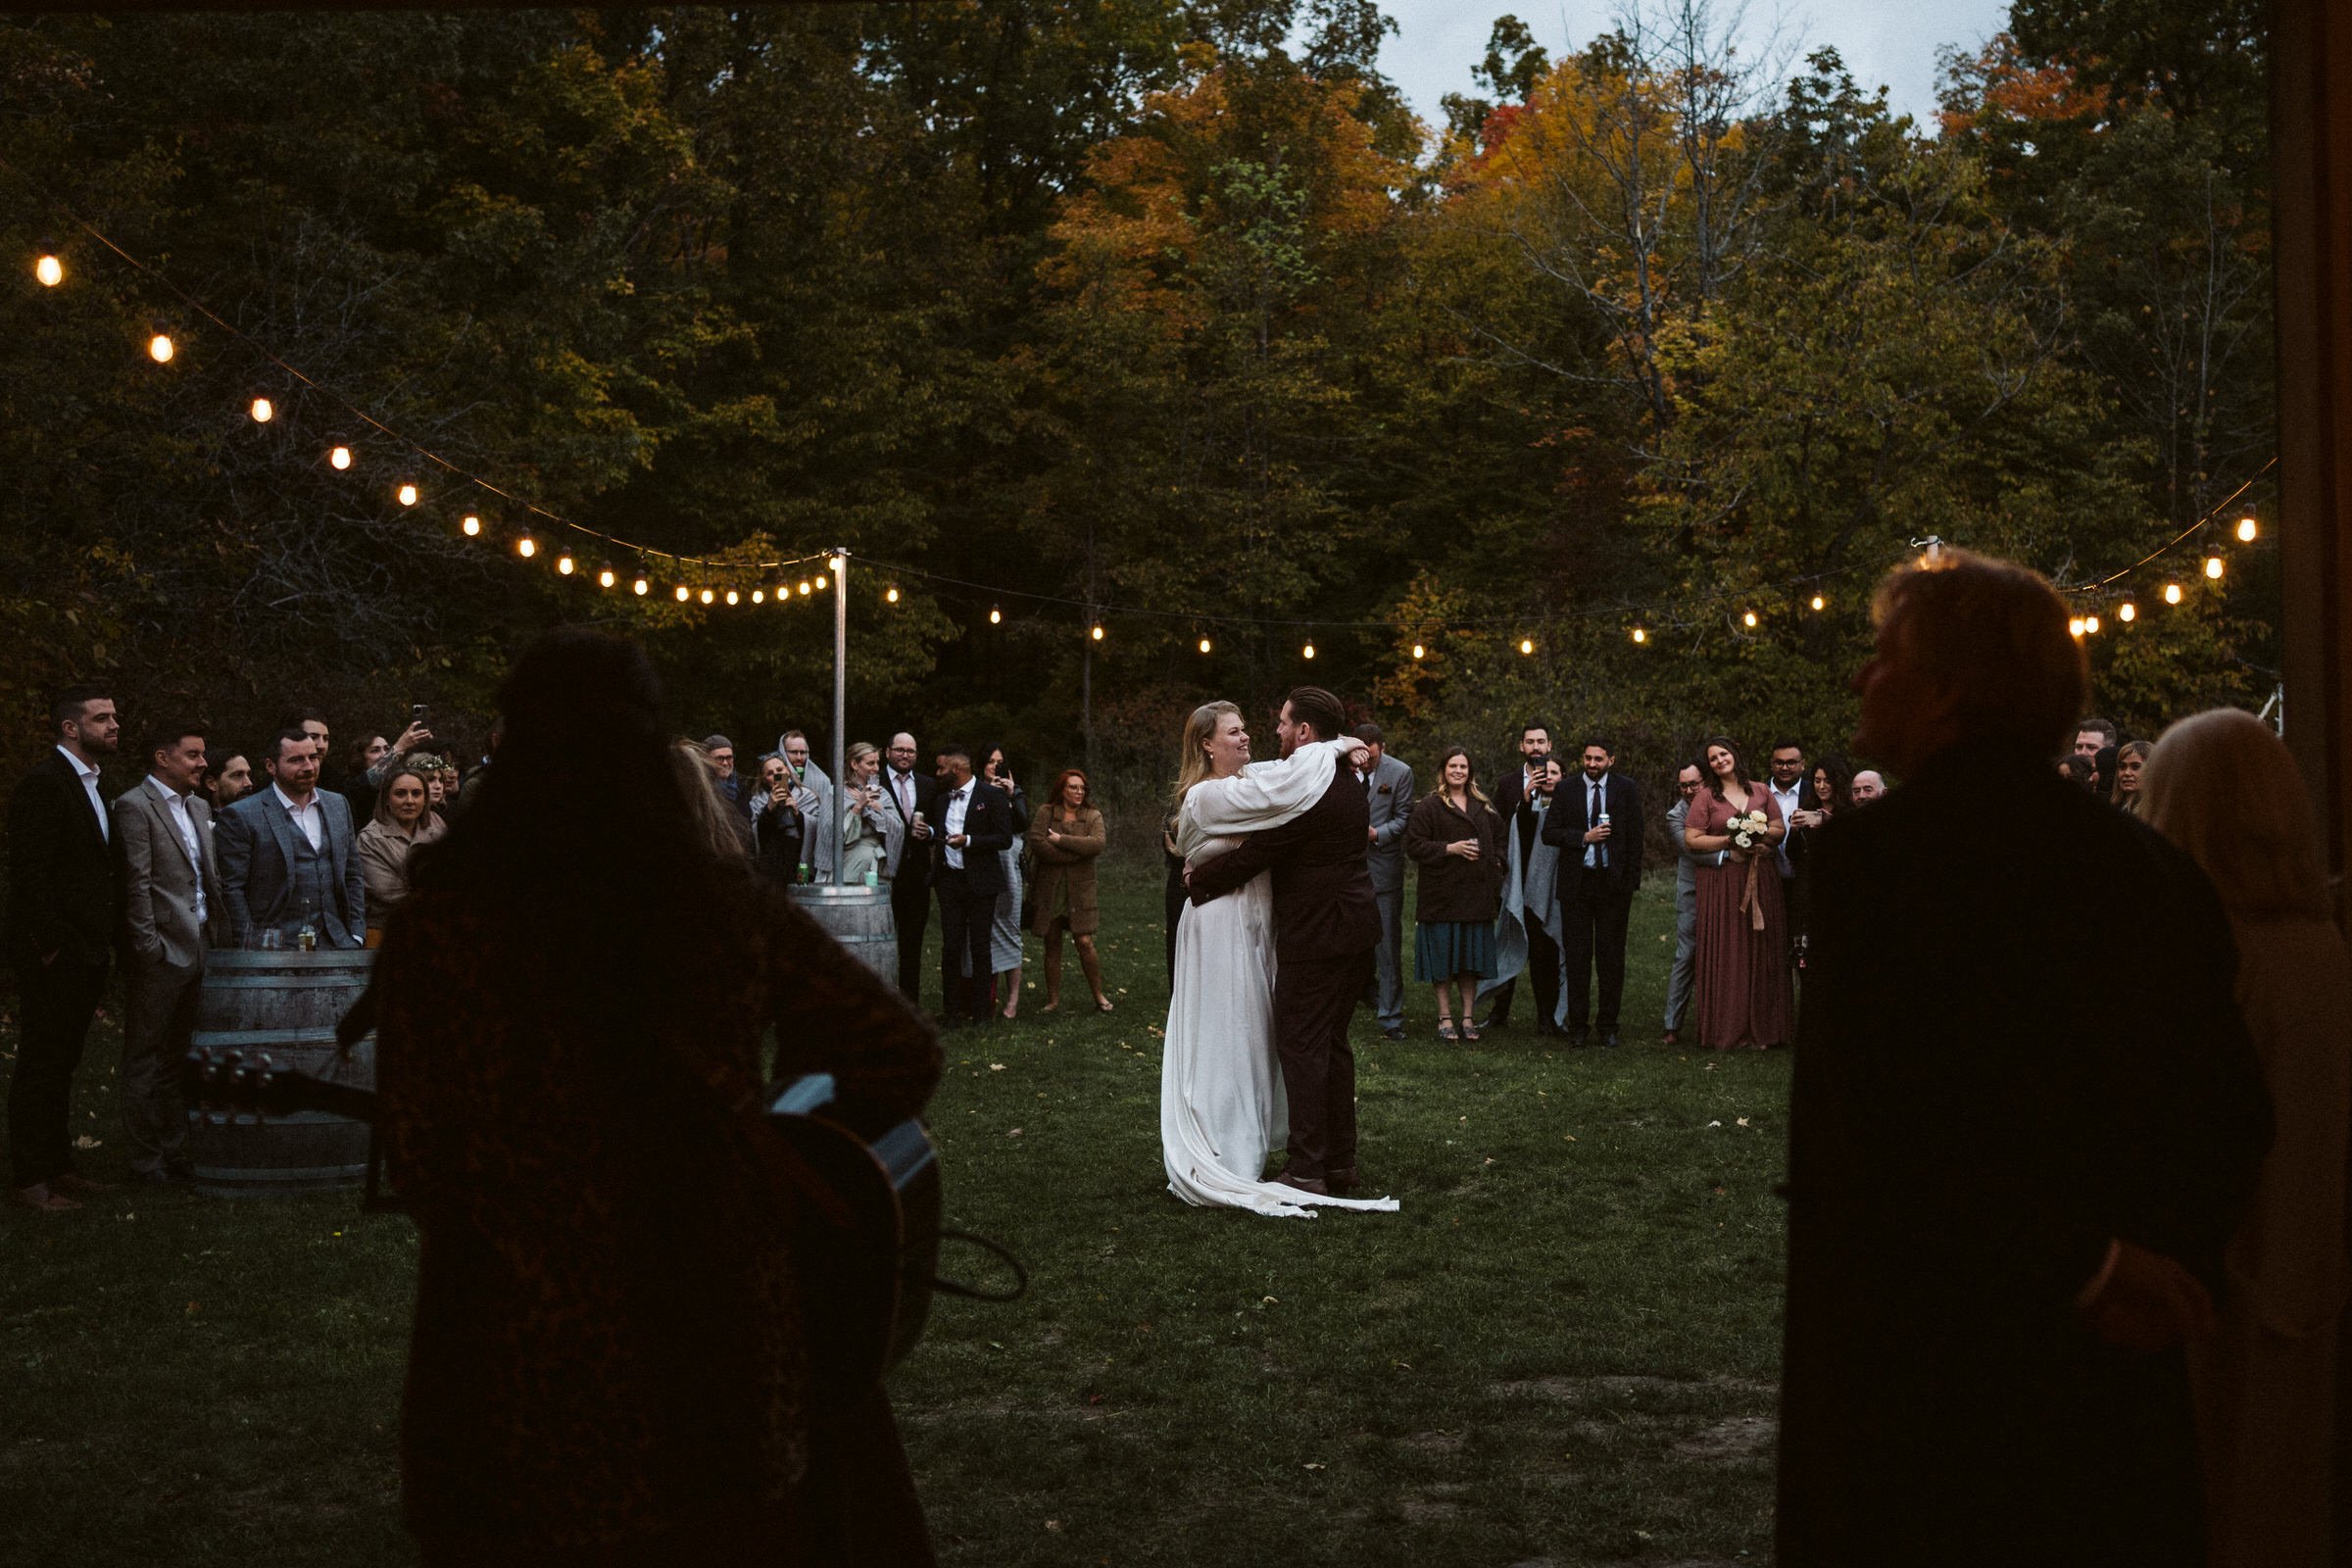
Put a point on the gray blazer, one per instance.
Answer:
(158, 885)
(1390, 793)
(1686, 860)
(256, 842)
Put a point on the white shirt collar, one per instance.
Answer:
(82, 769)
(171, 796)
(286, 801)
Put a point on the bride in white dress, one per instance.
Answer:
(1221, 1104)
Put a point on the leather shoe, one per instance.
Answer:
(1342, 1179)
(1608, 1041)
(1580, 1035)
(1393, 1032)
(72, 1182)
(40, 1197)
(1306, 1184)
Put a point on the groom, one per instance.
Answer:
(1326, 925)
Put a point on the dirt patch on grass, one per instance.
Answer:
(1738, 1441)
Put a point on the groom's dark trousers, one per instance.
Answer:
(1326, 925)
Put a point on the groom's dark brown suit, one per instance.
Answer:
(1326, 925)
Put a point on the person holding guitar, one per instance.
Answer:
(617, 1355)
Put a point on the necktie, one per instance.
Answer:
(1600, 852)
(905, 789)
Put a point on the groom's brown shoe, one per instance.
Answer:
(1304, 1184)
(1342, 1179)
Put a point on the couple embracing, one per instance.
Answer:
(1271, 957)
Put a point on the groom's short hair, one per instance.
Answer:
(1317, 708)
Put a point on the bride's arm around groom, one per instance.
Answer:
(1262, 796)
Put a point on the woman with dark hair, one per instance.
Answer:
(1066, 838)
(1744, 995)
(1005, 931)
(1829, 791)
(1456, 837)
(609, 1362)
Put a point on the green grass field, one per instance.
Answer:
(1562, 1351)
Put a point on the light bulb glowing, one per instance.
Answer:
(996, 616)
(526, 547)
(1419, 651)
(1098, 634)
(1749, 620)
(49, 269)
(158, 348)
(1820, 603)
(408, 495)
(2090, 625)
(709, 595)
(1308, 651)
(1204, 645)
(804, 587)
(606, 577)
(339, 458)
(820, 583)
(1641, 636)
(2213, 567)
(2247, 529)
(834, 565)
(2127, 613)
(734, 598)
(2073, 627)
(891, 598)
(2172, 593)
(263, 410)
(639, 587)
(683, 595)
(565, 565)
(759, 596)
(473, 526)
(1527, 645)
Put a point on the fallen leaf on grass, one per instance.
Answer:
(1052, 1524)
(1016, 1133)
(995, 1066)
(1568, 1138)
(1268, 1300)
(1714, 1124)
(85, 1141)
(1744, 1121)
(1313, 1465)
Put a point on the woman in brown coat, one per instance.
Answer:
(1455, 836)
(1064, 839)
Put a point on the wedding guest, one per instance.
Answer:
(1456, 837)
(975, 828)
(289, 855)
(1827, 790)
(1597, 831)
(170, 891)
(725, 831)
(1744, 1001)
(479, 776)
(2224, 788)
(2093, 736)
(2074, 768)
(1787, 784)
(911, 796)
(1005, 931)
(611, 1361)
(865, 817)
(2131, 758)
(1868, 786)
(779, 827)
(1683, 977)
(1535, 745)
(2019, 1139)
(1527, 930)
(404, 824)
(721, 753)
(360, 785)
(311, 723)
(227, 777)
(2102, 774)
(817, 810)
(1066, 837)
(1388, 789)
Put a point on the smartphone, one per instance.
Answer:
(416, 713)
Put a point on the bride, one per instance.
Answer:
(1221, 1104)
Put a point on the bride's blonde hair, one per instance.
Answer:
(1191, 766)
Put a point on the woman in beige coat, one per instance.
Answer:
(1064, 839)
(403, 820)
(2223, 787)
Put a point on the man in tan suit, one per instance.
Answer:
(170, 896)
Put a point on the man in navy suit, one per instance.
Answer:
(975, 827)
(289, 855)
(62, 912)
(1595, 820)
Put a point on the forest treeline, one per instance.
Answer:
(1167, 313)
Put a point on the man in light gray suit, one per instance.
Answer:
(1687, 861)
(1388, 788)
(288, 855)
(171, 892)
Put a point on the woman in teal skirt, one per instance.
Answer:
(1456, 837)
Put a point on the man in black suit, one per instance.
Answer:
(1596, 822)
(909, 816)
(62, 912)
(1535, 744)
(1326, 925)
(975, 826)
(2019, 1139)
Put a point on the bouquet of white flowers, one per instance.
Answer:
(1748, 832)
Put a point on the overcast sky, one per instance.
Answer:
(1889, 42)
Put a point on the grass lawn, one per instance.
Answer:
(1562, 1351)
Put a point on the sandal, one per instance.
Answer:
(1469, 1031)
(1445, 1030)
(1102, 1005)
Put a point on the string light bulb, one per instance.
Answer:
(526, 547)
(683, 593)
(2213, 567)
(891, 597)
(408, 496)
(48, 268)
(339, 458)
(263, 410)
(1204, 645)
(2126, 612)
(565, 565)
(472, 526)
(996, 615)
(2247, 529)
(1527, 645)
(639, 587)
(160, 348)
(759, 596)
(834, 563)
(2090, 625)
(1820, 603)
(1749, 620)
(605, 576)
(2172, 593)
(1419, 651)
(804, 587)
(709, 597)
(1641, 636)
(1098, 634)
(1308, 651)
(820, 582)
(2073, 627)
(734, 598)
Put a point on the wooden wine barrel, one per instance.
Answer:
(284, 1004)
(859, 920)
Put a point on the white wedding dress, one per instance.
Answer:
(1221, 1104)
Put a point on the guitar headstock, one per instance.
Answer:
(225, 1084)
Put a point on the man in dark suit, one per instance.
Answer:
(909, 816)
(1326, 925)
(975, 826)
(171, 894)
(61, 910)
(1596, 823)
(1535, 744)
(2019, 1139)
(289, 855)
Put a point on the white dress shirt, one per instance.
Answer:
(308, 817)
(89, 786)
(958, 803)
(1788, 798)
(177, 805)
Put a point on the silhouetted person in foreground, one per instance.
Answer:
(2019, 1139)
(609, 1363)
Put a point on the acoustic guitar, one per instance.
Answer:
(866, 1200)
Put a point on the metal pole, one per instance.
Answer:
(841, 698)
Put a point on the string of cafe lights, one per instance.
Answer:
(2096, 593)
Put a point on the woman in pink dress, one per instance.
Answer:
(1745, 999)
